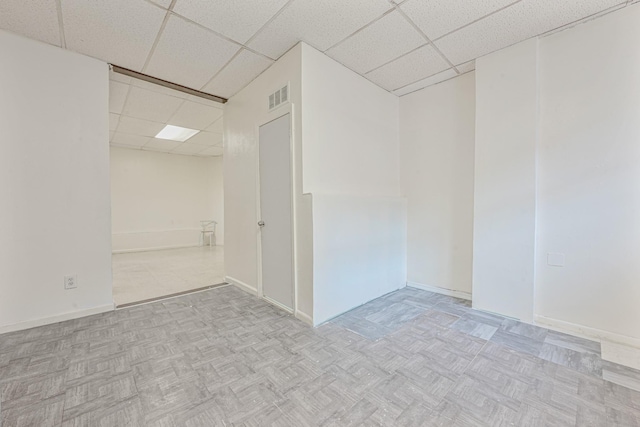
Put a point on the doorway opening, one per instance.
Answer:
(167, 204)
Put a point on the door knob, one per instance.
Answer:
(261, 223)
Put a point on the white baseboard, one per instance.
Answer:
(55, 319)
(443, 291)
(159, 248)
(240, 284)
(585, 331)
(277, 304)
(620, 349)
(304, 317)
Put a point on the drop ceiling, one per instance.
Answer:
(138, 110)
(219, 46)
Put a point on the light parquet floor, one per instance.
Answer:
(140, 276)
(225, 358)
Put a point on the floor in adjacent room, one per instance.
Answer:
(223, 357)
(141, 276)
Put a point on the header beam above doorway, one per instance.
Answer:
(174, 86)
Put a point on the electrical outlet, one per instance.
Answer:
(70, 282)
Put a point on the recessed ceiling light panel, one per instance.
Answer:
(176, 133)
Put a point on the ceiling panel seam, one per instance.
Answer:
(158, 36)
(477, 20)
(359, 30)
(438, 51)
(269, 21)
(399, 57)
(235, 55)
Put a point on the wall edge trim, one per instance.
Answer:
(304, 317)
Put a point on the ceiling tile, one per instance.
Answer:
(117, 96)
(163, 3)
(437, 78)
(189, 149)
(217, 126)
(205, 101)
(515, 24)
(584, 19)
(188, 54)
(206, 138)
(466, 67)
(438, 17)
(158, 88)
(237, 74)
(320, 23)
(381, 42)
(417, 65)
(195, 116)
(236, 19)
(129, 140)
(141, 127)
(149, 105)
(131, 125)
(113, 121)
(36, 19)
(121, 32)
(161, 145)
(212, 151)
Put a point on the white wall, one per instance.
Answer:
(589, 176)
(359, 246)
(351, 166)
(505, 181)
(54, 184)
(244, 113)
(159, 199)
(348, 147)
(350, 131)
(437, 133)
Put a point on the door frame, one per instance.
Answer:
(286, 109)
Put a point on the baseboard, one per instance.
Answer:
(443, 291)
(158, 248)
(55, 319)
(585, 331)
(277, 304)
(240, 284)
(620, 349)
(304, 317)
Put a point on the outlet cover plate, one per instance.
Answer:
(555, 259)
(71, 282)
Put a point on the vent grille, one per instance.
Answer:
(279, 97)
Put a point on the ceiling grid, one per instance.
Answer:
(219, 47)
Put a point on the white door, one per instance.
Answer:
(275, 212)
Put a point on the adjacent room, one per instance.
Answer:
(319, 213)
(167, 203)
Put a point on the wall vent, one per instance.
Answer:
(279, 97)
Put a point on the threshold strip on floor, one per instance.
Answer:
(177, 294)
